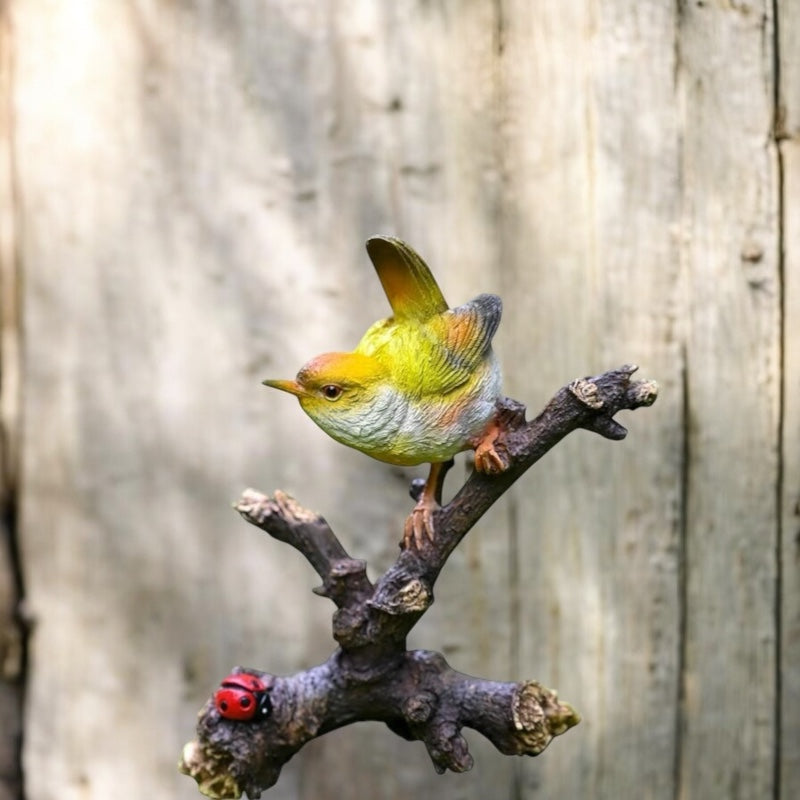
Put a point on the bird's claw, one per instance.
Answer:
(419, 525)
(490, 459)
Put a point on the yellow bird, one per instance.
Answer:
(420, 386)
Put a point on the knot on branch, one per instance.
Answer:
(211, 770)
(419, 707)
(412, 597)
(538, 717)
(349, 628)
(448, 749)
(343, 574)
(587, 393)
(609, 393)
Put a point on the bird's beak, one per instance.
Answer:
(293, 387)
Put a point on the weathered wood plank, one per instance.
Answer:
(11, 663)
(790, 502)
(163, 272)
(788, 128)
(731, 257)
(215, 236)
(196, 181)
(593, 206)
(11, 640)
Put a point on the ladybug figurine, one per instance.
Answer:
(243, 696)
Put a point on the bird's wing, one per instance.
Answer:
(457, 343)
(407, 280)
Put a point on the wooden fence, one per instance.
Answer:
(186, 188)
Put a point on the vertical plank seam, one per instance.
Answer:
(682, 576)
(10, 369)
(777, 134)
(685, 457)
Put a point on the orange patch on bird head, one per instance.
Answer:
(343, 370)
(346, 370)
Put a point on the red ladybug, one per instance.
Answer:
(242, 696)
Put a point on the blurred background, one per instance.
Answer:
(185, 191)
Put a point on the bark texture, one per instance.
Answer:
(372, 676)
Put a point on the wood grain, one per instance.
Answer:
(788, 129)
(193, 186)
(594, 202)
(11, 635)
(731, 256)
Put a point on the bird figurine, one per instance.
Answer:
(420, 386)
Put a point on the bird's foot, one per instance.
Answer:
(491, 452)
(419, 524)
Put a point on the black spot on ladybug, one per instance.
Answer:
(264, 705)
(244, 702)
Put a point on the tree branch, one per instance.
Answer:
(372, 676)
(344, 579)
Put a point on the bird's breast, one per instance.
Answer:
(405, 429)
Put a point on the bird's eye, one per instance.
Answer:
(332, 392)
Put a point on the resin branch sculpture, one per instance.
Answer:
(372, 676)
(421, 386)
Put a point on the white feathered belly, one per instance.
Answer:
(405, 432)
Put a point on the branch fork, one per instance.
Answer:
(371, 676)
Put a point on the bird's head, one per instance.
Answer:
(337, 390)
